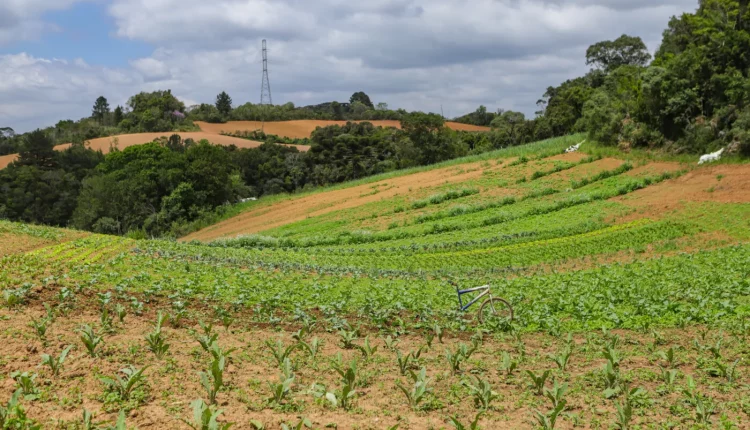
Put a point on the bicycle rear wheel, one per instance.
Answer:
(495, 308)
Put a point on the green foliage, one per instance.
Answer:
(206, 417)
(13, 415)
(419, 390)
(155, 340)
(538, 381)
(56, 363)
(124, 387)
(26, 383)
(482, 392)
(90, 339)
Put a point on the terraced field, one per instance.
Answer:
(629, 276)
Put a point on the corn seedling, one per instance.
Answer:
(121, 312)
(213, 380)
(704, 408)
(611, 381)
(90, 339)
(105, 320)
(404, 361)
(281, 390)
(669, 357)
(462, 354)
(206, 417)
(482, 392)
(547, 421)
(715, 350)
(303, 423)
(390, 342)
(56, 363)
(507, 364)
(419, 390)
(723, 370)
(25, 382)
(556, 395)
(561, 359)
(40, 329)
(348, 337)
(279, 351)
(669, 376)
(155, 341)
(537, 382)
(458, 425)
(366, 349)
(624, 415)
(125, 386)
(312, 347)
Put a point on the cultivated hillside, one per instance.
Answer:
(629, 278)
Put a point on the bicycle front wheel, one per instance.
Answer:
(495, 308)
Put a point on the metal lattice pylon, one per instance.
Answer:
(265, 89)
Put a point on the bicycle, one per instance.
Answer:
(495, 306)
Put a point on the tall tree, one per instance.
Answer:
(363, 98)
(37, 150)
(611, 54)
(224, 103)
(100, 110)
(117, 116)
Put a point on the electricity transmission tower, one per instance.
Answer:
(265, 87)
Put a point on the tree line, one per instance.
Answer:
(692, 96)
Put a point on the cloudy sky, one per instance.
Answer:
(57, 56)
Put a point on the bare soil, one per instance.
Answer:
(723, 183)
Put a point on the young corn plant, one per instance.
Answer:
(90, 339)
(13, 416)
(404, 362)
(669, 376)
(366, 349)
(121, 312)
(125, 386)
(348, 337)
(279, 351)
(669, 356)
(537, 382)
(562, 358)
(556, 395)
(390, 342)
(723, 370)
(280, 391)
(155, 340)
(458, 425)
(547, 421)
(611, 381)
(179, 312)
(419, 390)
(213, 380)
(624, 415)
(302, 424)
(56, 363)
(482, 392)
(25, 382)
(40, 327)
(312, 347)
(106, 321)
(206, 417)
(507, 364)
(462, 354)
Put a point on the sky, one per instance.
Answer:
(58, 56)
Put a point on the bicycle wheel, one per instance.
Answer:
(496, 307)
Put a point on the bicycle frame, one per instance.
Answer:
(461, 305)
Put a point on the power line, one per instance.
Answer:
(265, 87)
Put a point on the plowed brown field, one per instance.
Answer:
(303, 128)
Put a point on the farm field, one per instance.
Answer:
(299, 129)
(629, 276)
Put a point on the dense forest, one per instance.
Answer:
(692, 96)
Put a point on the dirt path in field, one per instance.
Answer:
(123, 141)
(300, 129)
(723, 183)
(298, 209)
